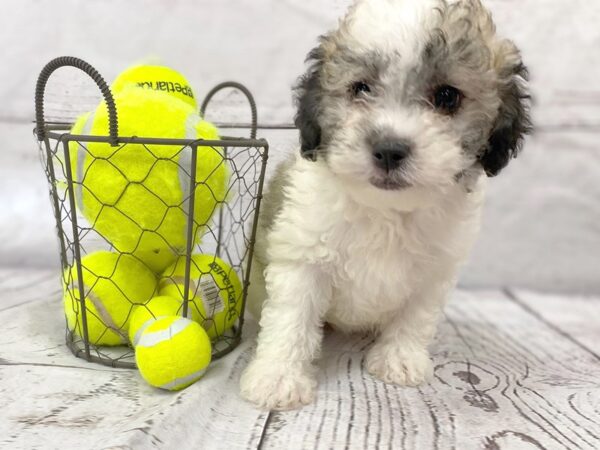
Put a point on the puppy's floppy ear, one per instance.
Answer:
(308, 101)
(513, 121)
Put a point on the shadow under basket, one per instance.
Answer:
(139, 217)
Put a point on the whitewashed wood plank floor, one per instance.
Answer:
(512, 370)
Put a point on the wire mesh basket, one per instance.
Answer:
(141, 216)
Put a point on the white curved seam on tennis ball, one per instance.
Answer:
(198, 292)
(105, 316)
(194, 288)
(177, 382)
(81, 154)
(156, 337)
(179, 280)
(146, 324)
(185, 169)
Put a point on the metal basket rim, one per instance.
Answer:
(224, 141)
(78, 350)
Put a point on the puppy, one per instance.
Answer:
(406, 109)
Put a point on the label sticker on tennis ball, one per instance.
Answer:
(229, 289)
(210, 294)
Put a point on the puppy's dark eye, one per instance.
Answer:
(447, 99)
(359, 87)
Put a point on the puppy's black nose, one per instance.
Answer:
(389, 154)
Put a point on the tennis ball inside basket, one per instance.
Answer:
(137, 195)
(215, 291)
(172, 353)
(156, 78)
(144, 315)
(112, 284)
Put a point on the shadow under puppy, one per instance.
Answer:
(406, 108)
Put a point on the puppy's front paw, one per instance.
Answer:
(404, 366)
(277, 385)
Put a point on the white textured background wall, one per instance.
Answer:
(542, 220)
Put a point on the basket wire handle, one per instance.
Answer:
(240, 87)
(64, 61)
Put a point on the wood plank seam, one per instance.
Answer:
(261, 440)
(514, 298)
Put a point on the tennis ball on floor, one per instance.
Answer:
(172, 353)
(144, 315)
(137, 196)
(112, 284)
(215, 291)
(156, 78)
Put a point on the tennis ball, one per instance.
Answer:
(157, 78)
(136, 196)
(157, 258)
(172, 353)
(79, 124)
(215, 291)
(144, 315)
(112, 284)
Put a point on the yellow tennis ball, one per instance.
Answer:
(144, 315)
(78, 128)
(112, 284)
(172, 353)
(156, 78)
(79, 124)
(137, 196)
(215, 291)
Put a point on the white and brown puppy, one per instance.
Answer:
(405, 110)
